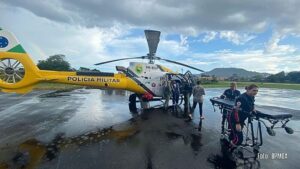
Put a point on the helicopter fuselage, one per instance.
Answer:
(19, 74)
(139, 78)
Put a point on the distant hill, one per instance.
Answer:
(227, 72)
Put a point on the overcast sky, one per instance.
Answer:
(257, 35)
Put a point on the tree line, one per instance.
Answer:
(59, 63)
(282, 77)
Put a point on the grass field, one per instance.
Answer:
(221, 84)
(224, 84)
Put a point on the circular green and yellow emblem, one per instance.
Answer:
(139, 68)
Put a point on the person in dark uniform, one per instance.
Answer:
(175, 94)
(167, 93)
(231, 94)
(244, 106)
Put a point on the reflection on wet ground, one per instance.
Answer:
(146, 137)
(32, 152)
(94, 129)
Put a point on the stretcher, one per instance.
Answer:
(252, 131)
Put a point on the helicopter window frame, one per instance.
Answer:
(181, 77)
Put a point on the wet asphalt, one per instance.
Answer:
(155, 138)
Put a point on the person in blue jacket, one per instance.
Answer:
(244, 106)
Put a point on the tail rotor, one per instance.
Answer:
(11, 71)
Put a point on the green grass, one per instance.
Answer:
(224, 84)
(220, 84)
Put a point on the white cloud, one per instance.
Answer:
(209, 36)
(85, 42)
(191, 16)
(171, 48)
(260, 26)
(83, 46)
(238, 39)
(183, 40)
(236, 18)
(253, 60)
(231, 36)
(272, 47)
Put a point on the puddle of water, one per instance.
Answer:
(98, 110)
(268, 97)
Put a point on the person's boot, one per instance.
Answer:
(231, 147)
(222, 128)
(189, 118)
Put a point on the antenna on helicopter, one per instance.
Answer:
(152, 37)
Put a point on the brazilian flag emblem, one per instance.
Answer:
(139, 68)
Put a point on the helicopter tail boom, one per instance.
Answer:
(101, 80)
(19, 74)
(22, 79)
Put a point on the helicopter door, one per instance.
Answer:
(189, 77)
(163, 83)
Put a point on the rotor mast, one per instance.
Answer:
(152, 37)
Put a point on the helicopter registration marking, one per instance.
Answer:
(92, 79)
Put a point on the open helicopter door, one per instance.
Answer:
(189, 77)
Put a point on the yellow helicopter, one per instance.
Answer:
(19, 74)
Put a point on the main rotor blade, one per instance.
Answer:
(101, 63)
(152, 37)
(178, 63)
